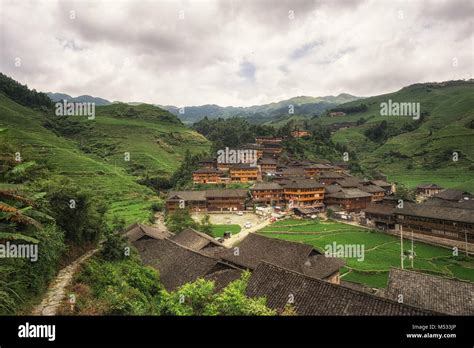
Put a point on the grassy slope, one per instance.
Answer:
(105, 175)
(450, 108)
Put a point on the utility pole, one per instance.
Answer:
(412, 251)
(465, 238)
(401, 245)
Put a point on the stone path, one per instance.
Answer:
(235, 238)
(57, 289)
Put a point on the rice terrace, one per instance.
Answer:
(382, 251)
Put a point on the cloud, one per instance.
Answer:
(233, 52)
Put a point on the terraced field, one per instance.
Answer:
(381, 251)
(94, 159)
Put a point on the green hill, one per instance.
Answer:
(92, 152)
(411, 151)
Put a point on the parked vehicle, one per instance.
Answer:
(248, 224)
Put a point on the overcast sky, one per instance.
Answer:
(234, 52)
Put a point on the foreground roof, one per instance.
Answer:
(176, 264)
(195, 240)
(313, 296)
(434, 293)
(139, 231)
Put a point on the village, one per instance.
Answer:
(290, 273)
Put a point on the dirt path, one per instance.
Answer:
(57, 289)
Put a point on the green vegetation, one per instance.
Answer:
(415, 151)
(382, 251)
(219, 230)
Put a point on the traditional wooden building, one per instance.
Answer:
(290, 172)
(453, 195)
(351, 199)
(330, 177)
(271, 145)
(254, 147)
(266, 193)
(383, 184)
(303, 193)
(428, 190)
(377, 192)
(192, 200)
(297, 133)
(268, 165)
(380, 215)
(245, 173)
(207, 175)
(314, 170)
(226, 200)
(438, 221)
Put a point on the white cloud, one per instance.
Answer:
(233, 52)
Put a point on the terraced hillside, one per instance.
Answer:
(92, 152)
(416, 152)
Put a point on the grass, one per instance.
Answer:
(381, 251)
(219, 230)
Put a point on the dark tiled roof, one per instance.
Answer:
(255, 248)
(138, 231)
(428, 186)
(266, 186)
(349, 182)
(194, 240)
(349, 193)
(452, 195)
(370, 188)
(437, 212)
(208, 171)
(319, 166)
(239, 193)
(313, 296)
(434, 293)
(380, 183)
(187, 195)
(222, 278)
(378, 208)
(464, 204)
(291, 171)
(331, 175)
(333, 189)
(177, 265)
(267, 160)
(243, 166)
(322, 266)
(301, 184)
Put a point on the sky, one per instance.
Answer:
(234, 52)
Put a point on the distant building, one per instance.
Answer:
(193, 200)
(226, 200)
(314, 170)
(336, 114)
(245, 173)
(271, 145)
(267, 193)
(377, 192)
(207, 175)
(350, 199)
(300, 133)
(453, 195)
(303, 193)
(268, 165)
(428, 190)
